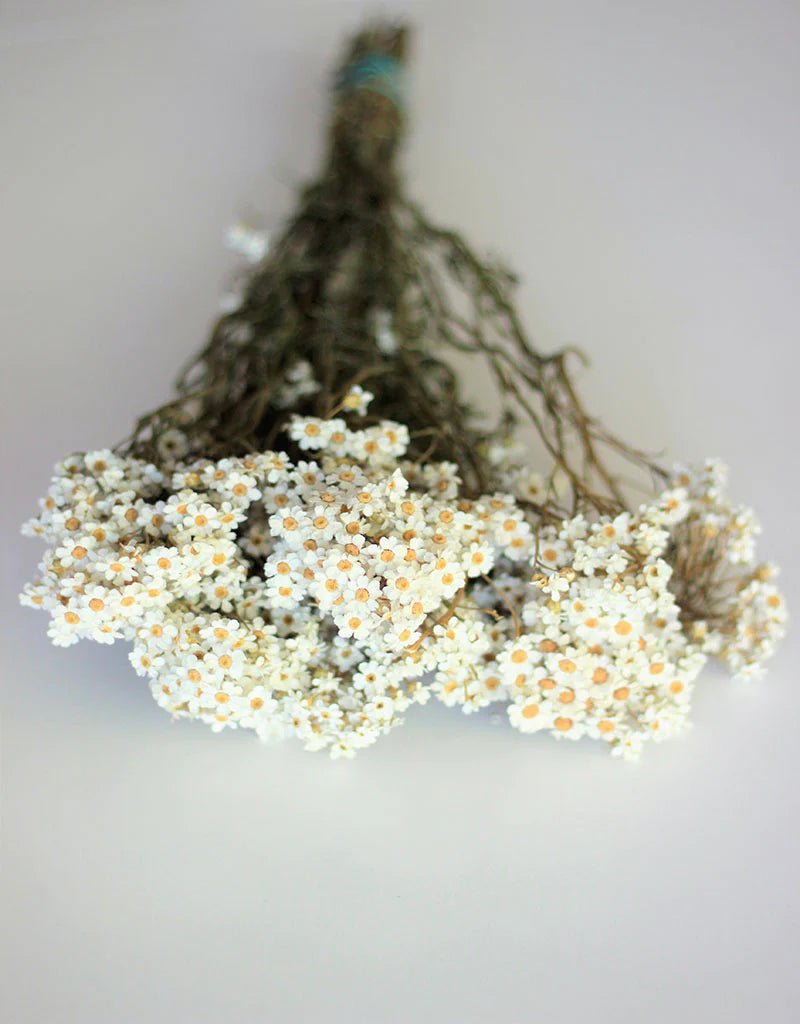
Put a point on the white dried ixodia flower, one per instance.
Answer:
(247, 241)
(321, 598)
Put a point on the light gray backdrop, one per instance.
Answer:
(638, 162)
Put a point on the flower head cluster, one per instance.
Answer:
(320, 596)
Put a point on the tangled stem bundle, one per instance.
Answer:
(357, 251)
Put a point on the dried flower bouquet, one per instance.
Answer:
(318, 531)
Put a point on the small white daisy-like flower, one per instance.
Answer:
(357, 400)
(247, 241)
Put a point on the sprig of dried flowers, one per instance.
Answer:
(290, 552)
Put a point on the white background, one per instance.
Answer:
(638, 162)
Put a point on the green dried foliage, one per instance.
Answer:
(356, 250)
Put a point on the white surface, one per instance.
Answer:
(638, 162)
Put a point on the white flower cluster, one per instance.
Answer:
(718, 539)
(321, 598)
